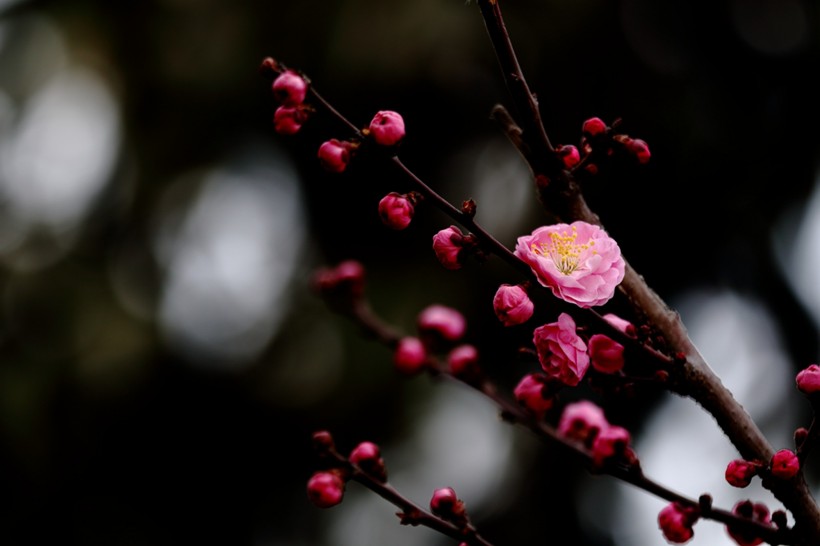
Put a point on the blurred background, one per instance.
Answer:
(163, 361)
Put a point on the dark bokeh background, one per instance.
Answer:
(141, 404)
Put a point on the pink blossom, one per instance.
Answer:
(346, 280)
(594, 127)
(531, 392)
(785, 464)
(442, 320)
(289, 88)
(755, 511)
(396, 210)
(808, 380)
(579, 262)
(563, 355)
(410, 357)
(640, 149)
(446, 504)
(676, 521)
(607, 355)
(569, 155)
(447, 244)
(334, 155)
(511, 304)
(582, 421)
(610, 442)
(739, 473)
(621, 325)
(287, 120)
(325, 489)
(463, 361)
(367, 456)
(387, 128)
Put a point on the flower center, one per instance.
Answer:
(563, 250)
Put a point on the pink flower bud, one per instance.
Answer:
(447, 505)
(676, 521)
(287, 120)
(367, 456)
(611, 442)
(582, 421)
(808, 380)
(410, 356)
(344, 282)
(463, 361)
(387, 128)
(756, 511)
(739, 473)
(622, 325)
(396, 210)
(607, 355)
(511, 304)
(334, 155)
(785, 464)
(594, 127)
(640, 149)
(443, 321)
(561, 352)
(569, 155)
(322, 440)
(289, 88)
(447, 244)
(532, 392)
(325, 489)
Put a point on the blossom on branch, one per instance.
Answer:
(607, 355)
(676, 521)
(396, 210)
(579, 262)
(754, 511)
(562, 353)
(448, 245)
(808, 379)
(289, 88)
(387, 128)
(325, 489)
(511, 304)
(532, 393)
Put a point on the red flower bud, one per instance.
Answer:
(676, 521)
(808, 380)
(410, 356)
(594, 127)
(387, 128)
(325, 489)
(606, 354)
(289, 88)
(739, 473)
(396, 210)
(785, 464)
(334, 155)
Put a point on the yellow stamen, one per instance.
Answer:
(565, 252)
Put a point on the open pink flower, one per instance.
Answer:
(579, 262)
(563, 355)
